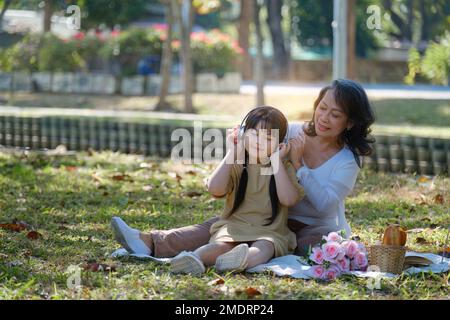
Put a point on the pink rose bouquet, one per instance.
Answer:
(336, 255)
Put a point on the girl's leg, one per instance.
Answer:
(260, 252)
(169, 243)
(209, 253)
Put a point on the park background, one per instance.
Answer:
(90, 92)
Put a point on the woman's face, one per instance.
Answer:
(260, 143)
(329, 118)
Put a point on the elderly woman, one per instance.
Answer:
(326, 152)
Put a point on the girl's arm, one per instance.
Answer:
(288, 193)
(218, 181)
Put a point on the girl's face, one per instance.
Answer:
(330, 119)
(261, 143)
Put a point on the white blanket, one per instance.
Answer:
(290, 265)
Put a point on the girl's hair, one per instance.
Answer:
(352, 98)
(268, 118)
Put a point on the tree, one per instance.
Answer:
(259, 63)
(185, 21)
(48, 12)
(167, 54)
(111, 12)
(433, 16)
(280, 60)
(245, 19)
(6, 4)
(312, 21)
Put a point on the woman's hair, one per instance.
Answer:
(352, 98)
(269, 118)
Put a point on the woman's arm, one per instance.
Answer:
(326, 197)
(288, 194)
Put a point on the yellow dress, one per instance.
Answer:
(246, 224)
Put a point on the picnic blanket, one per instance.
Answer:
(292, 266)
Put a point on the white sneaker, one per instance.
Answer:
(129, 237)
(235, 259)
(187, 262)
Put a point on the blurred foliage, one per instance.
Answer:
(23, 55)
(131, 45)
(312, 21)
(434, 65)
(214, 51)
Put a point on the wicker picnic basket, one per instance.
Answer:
(388, 258)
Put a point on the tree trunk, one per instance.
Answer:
(47, 15)
(2, 14)
(186, 21)
(351, 38)
(244, 33)
(259, 63)
(425, 32)
(166, 63)
(280, 62)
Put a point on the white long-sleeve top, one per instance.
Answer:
(326, 188)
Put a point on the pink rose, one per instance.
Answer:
(360, 261)
(351, 248)
(317, 271)
(331, 250)
(344, 264)
(331, 273)
(317, 255)
(333, 236)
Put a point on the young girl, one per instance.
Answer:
(253, 226)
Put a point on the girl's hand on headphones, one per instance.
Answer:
(232, 135)
(232, 142)
(284, 150)
(281, 152)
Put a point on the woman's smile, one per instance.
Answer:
(322, 127)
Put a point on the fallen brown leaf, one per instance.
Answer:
(439, 198)
(421, 240)
(12, 227)
(122, 177)
(216, 282)
(252, 292)
(191, 194)
(34, 235)
(99, 267)
(175, 176)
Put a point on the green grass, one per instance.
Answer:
(70, 202)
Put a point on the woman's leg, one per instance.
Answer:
(261, 251)
(310, 236)
(169, 243)
(209, 253)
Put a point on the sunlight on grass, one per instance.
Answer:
(71, 203)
